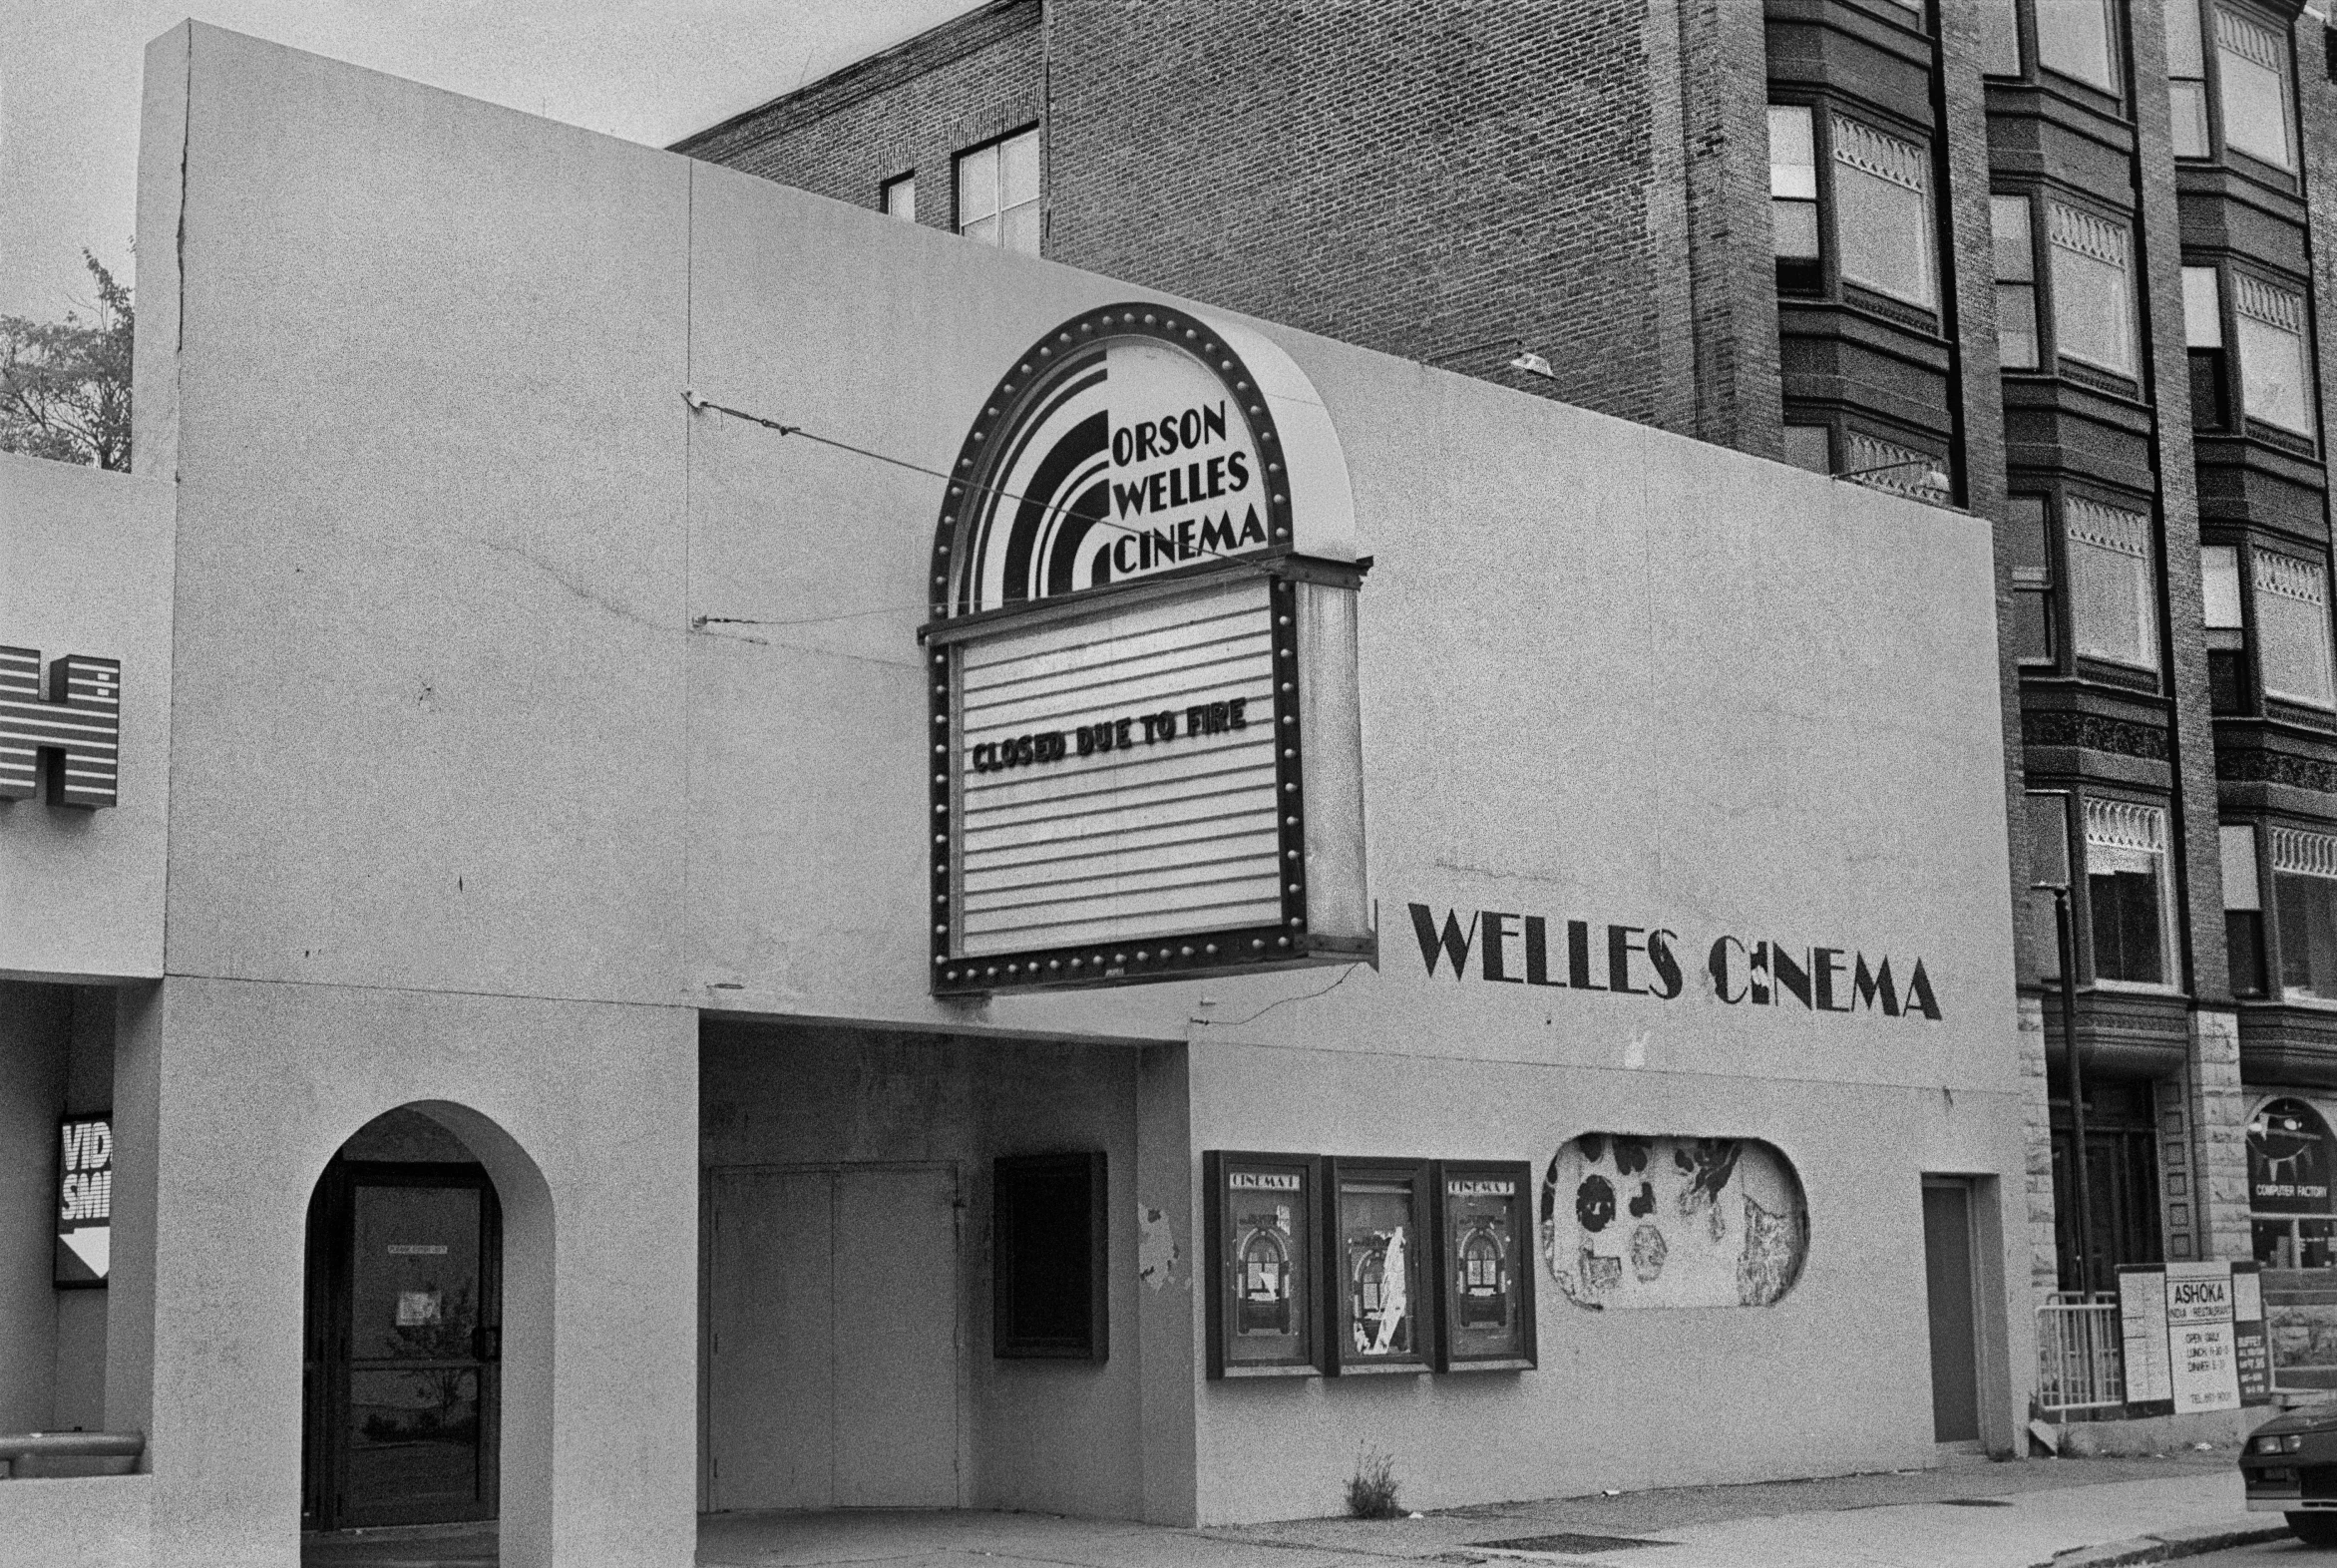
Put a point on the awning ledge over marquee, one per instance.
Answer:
(1324, 526)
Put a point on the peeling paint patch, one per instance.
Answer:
(1156, 1248)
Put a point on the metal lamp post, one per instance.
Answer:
(2067, 944)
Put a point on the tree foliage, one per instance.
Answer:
(65, 385)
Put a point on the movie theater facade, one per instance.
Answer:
(680, 849)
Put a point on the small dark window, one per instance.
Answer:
(1048, 1252)
(2211, 390)
(2329, 52)
(2243, 935)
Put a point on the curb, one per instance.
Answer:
(2168, 1545)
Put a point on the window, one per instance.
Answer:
(997, 194)
(2202, 333)
(2074, 38)
(898, 197)
(1885, 465)
(1810, 447)
(2093, 310)
(2016, 283)
(2187, 79)
(1794, 197)
(2128, 892)
(2252, 62)
(2243, 910)
(2289, 1183)
(2113, 590)
(2049, 867)
(1882, 213)
(1048, 1243)
(2029, 545)
(2000, 36)
(2304, 897)
(2275, 369)
(2227, 689)
(2292, 629)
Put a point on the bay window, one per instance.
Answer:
(2304, 897)
(2128, 893)
(2114, 596)
(2093, 298)
(2028, 545)
(2292, 629)
(2077, 38)
(1882, 213)
(2016, 282)
(2276, 364)
(2187, 79)
(2251, 62)
(2203, 336)
(2243, 909)
(2227, 682)
(1794, 196)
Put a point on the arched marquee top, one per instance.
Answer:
(1132, 441)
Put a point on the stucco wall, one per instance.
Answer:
(520, 710)
(85, 567)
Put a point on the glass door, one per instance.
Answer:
(404, 1390)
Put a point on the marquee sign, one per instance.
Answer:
(77, 726)
(1132, 775)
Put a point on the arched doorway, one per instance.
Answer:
(401, 1373)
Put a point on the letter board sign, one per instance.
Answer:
(1132, 775)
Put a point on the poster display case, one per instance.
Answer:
(1381, 1266)
(1482, 1226)
(1264, 1308)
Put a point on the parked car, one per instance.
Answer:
(2290, 1467)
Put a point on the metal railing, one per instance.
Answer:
(2081, 1355)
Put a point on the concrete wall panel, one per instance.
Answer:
(85, 567)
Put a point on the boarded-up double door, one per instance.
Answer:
(833, 1338)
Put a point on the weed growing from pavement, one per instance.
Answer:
(1370, 1491)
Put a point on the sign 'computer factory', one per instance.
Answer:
(1144, 742)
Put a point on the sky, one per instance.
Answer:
(646, 70)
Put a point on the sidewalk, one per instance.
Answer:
(1978, 1515)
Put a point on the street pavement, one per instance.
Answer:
(2068, 1513)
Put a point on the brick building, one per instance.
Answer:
(2058, 262)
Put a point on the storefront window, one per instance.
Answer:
(2304, 896)
(2128, 892)
(2289, 1187)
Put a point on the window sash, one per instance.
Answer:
(2306, 906)
(2000, 38)
(2243, 890)
(1882, 213)
(2114, 613)
(2252, 62)
(2202, 307)
(2219, 586)
(2293, 629)
(2092, 311)
(2275, 366)
(2128, 891)
(898, 198)
(2074, 38)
